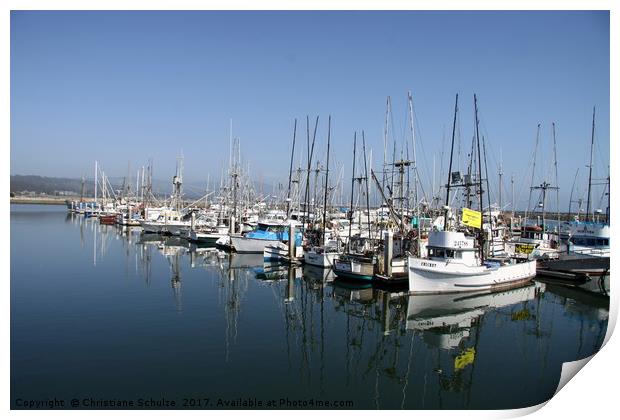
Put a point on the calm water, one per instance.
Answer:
(102, 313)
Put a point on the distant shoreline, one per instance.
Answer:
(38, 200)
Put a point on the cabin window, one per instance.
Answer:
(449, 253)
(437, 253)
(458, 254)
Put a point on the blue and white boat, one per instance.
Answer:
(589, 238)
(265, 234)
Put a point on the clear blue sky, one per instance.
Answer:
(126, 86)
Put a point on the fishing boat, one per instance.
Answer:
(359, 262)
(454, 265)
(265, 234)
(322, 256)
(206, 235)
(281, 252)
(168, 221)
(456, 262)
(589, 238)
(534, 242)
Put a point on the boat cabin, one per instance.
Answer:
(446, 245)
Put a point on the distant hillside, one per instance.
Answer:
(72, 186)
(47, 185)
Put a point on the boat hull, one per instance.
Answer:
(205, 238)
(323, 259)
(280, 252)
(153, 227)
(354, 270)
(428, 278)
(245, 245)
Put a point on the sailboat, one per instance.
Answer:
(456, 262)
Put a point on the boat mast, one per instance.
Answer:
(82, 190)
(96, 185)
(290, 173)
(486, 171)
(415, 165)
(480, 231)
(446, 208)
(570, 200)
(500, 180)
(529, 200)
(352, 188)
(310, 153)
(385, 142)
(557, 184)
(329, 124)
(367, 190)
(590, 176)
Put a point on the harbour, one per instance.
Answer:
(124, 314)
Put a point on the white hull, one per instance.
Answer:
(428, 276)
(245, 245)
(152, 227)
(595, 252)
(174, 228)
(324, 259)
(205, 237)
(280, 252)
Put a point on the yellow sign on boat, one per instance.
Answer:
(524, 248)
(472, 218)
(465, 358)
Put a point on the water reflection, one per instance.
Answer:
(270, 329)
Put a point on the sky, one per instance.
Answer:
(121, 87)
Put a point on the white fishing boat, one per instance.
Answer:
(534, 242)
(589, 238)
(168, 221)
(206, 235)
(454, 265)
(322, 256)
